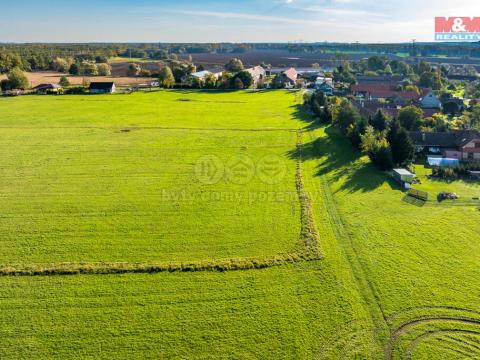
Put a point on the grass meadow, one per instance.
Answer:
(92, 179)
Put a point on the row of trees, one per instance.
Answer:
(239, 81)
(89, 68)
(39, 56)
(180, 73)
(384, 140)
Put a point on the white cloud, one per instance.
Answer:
(247, 16)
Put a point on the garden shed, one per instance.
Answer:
(403, 176)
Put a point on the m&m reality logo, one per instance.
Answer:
(457, 28)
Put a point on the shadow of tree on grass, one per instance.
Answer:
(338, 159)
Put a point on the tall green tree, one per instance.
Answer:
(410, 117)
(356, 131)
(326, 115)
(379, 121)
(401, 145)
(376, 146)
(347, 116)
(234, 65)
(166, 78)
(74, 69)
(238, 84)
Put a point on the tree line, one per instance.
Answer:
(384, 139)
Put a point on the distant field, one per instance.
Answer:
(42, 77)
(91, 179)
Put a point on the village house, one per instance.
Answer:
(325, 85)
(102, 88)
(391, 80)
(302, 71)
(47, 88)
(429, 100)
(368, 108)
(461, 72)
(201, 75)
(287, 79)
(258, 74)
(382, 91)
(463, 145)
(426, 99)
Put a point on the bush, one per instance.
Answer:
(104, 69)
(64, 81)
(245, 77)
(16, 80)
(78, 90)
(382, 157)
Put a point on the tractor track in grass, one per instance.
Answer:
(448, 342)
(434, 322)
(308, 249)
(391, 319)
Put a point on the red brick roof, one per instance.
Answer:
(368, 108)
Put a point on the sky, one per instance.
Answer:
(225, 21)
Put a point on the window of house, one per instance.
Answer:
(470, 156)
(477, 145)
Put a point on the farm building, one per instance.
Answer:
(102, 88)
(201, 75)
(47, 88)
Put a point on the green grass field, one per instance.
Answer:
(93, 179)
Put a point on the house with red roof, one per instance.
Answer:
(382, 91)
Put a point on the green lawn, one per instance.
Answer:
(418, 261)
(93, 194)
(82, 188)
(116, 179)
